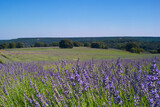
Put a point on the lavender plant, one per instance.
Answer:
(113, 83)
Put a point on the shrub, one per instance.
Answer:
(141, 50)
(87, 44)
(12, 45)
(4, 45)
(153, 51)
(39, 44)
(158, 50)
(54, 44)
(131, 46)
(98, 45)
(95, 45)
(1, 47)
(105, 47)
(66, 43)
(135, 50)
(46, 45)
(77, 44)
(20, 45)
(32, 45)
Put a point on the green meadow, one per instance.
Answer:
(52, 54)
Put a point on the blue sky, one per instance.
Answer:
(79, 18)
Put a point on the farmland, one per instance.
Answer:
(80, 76)
(57, 54)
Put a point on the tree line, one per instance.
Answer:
(133, 46)
(66, 43)
(11, 45)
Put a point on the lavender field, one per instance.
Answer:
(102, 83)
(80, 53)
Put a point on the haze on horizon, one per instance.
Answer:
(79, 18)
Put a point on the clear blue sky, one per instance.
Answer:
(79, 18)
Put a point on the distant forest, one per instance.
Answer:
(149, 44)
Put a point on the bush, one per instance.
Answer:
(4, 45)
(66, 43)
(20, 45)
(12, 45)
(98, 45)
(39, 44)
(1, 47)
(46, 45)
(141, 50)
(131, 46)
(32, 45)
(153, 51)
(77, 44)
(54, 44)
(135, 50)
(158, 50)
(105, 47)
(95, 45)
(87, 44)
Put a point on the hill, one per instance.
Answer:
(30, 41)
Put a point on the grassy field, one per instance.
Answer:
(56, 54)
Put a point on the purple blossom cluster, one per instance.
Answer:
(106, 83)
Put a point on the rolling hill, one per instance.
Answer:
(30, 41)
